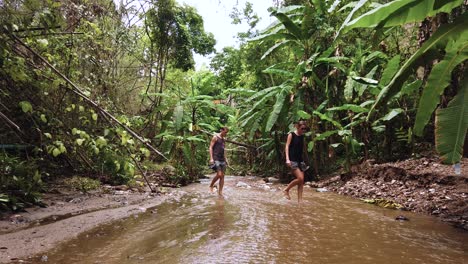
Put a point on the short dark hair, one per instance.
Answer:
(223, 128)
(300, 122)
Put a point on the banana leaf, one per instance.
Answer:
(439, 79)
(401, 12)
(280, 99)
(457, 30)
(451, 125)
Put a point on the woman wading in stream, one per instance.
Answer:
(218, 159)
(294, 150)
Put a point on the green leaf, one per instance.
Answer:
(358, 6)
(101, 142)
(62, 148)
(145, 152)
(273, 48)
(364, 80)
(56, 152)
(280, 99)
(401, 12)
(43, 43)
(349, 87)
(351, 107)
(451, 126)
(94, 116)
(278, 71)
(327, 118)
(79, 141)
(438, 80)
(289, 24)
(25, 106)
(43, 118)
(48, 135)
(178, 116)
(270, 91)
(410, 88)
(325, 135)
(303, 115)
(421, 10)
(457, 30)
(392, 114)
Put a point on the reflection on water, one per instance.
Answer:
(256, 226)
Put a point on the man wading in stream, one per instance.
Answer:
(294, 150)
(218, 161)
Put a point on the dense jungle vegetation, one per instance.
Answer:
(108, 90)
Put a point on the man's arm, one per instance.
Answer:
(225, 157)
(213, 141)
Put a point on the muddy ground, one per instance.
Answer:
(420, 185)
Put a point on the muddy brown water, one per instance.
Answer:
(259, 226)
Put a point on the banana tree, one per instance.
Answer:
(351, 145)
(449, 44)
(303, 77)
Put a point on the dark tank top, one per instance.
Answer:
(218, 149)
(296, 147)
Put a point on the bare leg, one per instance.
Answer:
(299, 181)
(213, 182)
(300, 185)
(290, 185)
(221, 183)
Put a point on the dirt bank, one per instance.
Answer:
(68, 214)
(419, 185)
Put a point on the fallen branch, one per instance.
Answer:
(7, 120)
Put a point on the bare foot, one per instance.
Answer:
(286, 194)
(212, 189)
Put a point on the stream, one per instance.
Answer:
(258, 225)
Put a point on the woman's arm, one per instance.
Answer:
(286, 149)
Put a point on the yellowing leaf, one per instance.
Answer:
(25, 106)
(56, 152)
(79, 141)
(43, 42)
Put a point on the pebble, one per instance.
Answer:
(242, 185)
(402, 218)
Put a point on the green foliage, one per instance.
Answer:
(452, 125)
(441, 38)
(401, 12)
(438, 80)
(82, 184)
(20, 183)
(294, 69)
